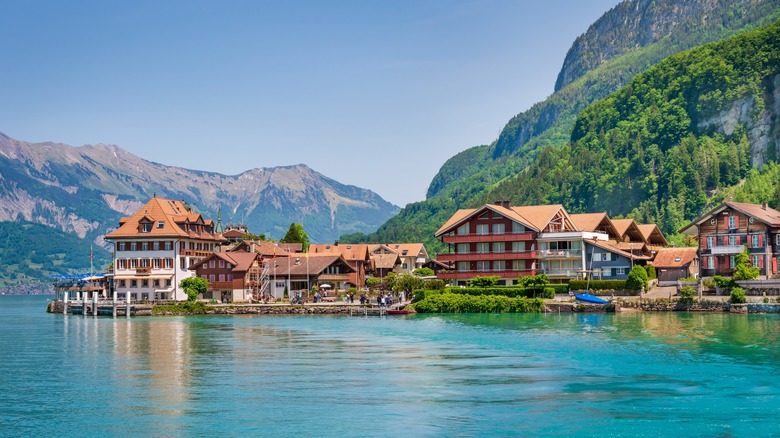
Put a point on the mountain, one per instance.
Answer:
(697, 127)
(83, 191)
(625, 41)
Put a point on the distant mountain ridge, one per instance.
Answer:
(84, 190)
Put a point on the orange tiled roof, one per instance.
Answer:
(314, 264)
(769, 216)
(171, 213)
(652, 234)
(350, 251)
(455, 218)
(609, 246)
(412, 249)
(674, 257)
(539, 215)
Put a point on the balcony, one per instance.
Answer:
(196, 253)
(568, 273)
(560, 253)
(507, 237)
(460, 275)
(728, 249)
(146, 270)
(485, 256)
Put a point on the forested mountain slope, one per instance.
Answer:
(619, 41)
(677, 138)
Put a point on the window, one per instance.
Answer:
(279, 284)
(620, 271)
(754, 241)
(144, 263)
(211, 278)
(607, 256)
(732, 262)
(211, 263)
(462, 230)
(230, 277)
(121, 283)
(518, 228)
(596, 257)
(499, 265)
(156, 283)
(221, 263)
(756, 261)
(732, 240)
(483, 266)
(144, 246)
(777, 239)
(485, 215)
(606, 272)
(463, 266)
(733, 223)
(498, 228)
(160, 225)
(168, 245)
(133, 283)
(133, 263)
(132, 246)
(499, 247)
(518, 265)
(483, 229)
(146, 227)
(156, 264)
(483, 247)
(710, 242)
(168, 283)
(183, 263)
(168, 263)
(462, 248)
(404, 266)
(145, 283)
(221, 277)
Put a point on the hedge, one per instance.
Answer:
(597, 284)
(466, 303)
(547, 291)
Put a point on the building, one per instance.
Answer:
(233, 276)
(672, 264)
(356, 255)
(326, 271)
(384, 261)
(412, 255)
(732, 228)
(154, 248)
(509, 242)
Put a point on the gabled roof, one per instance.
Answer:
(628, 228)
(264, 247)
(314, 264)
(291, 247)
(455, 219)
(172, 214)
(769, 216)
(613, 249)
(652, 234)
(233, 233)
(594, 222)
(412, 249)
(241, 261)
(385, 261)
(350, 251)
(674, 257)
(463, 215)
(541, 215)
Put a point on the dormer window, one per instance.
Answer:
(146, 227)
(160, 225)
(677, 259)
(404, 252)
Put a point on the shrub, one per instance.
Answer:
(463, 303)
(484, 281)
(529, 292)
(185, 308)
(650, 269)
(637, 279)
(724, 283)
(434, 284)
(708, 283)
(533, 280)
(597, 285)
(686, 294)
(737, 296)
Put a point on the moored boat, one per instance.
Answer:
(591, 299)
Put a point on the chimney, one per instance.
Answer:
(763, 206)
(336, 243)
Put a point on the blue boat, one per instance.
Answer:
(592, 299)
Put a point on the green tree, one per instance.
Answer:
(407, 282)
(637, 278)
(296, 234)
(743, 270)
(424, 272)
(484, 281)
(373, 282)
(194, 286)
(737, 296)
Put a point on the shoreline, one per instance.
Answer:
(550, 306)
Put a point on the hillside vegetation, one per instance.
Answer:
(645, 151)
(488, 173)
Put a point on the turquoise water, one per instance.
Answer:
(469, 375)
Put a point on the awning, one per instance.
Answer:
(326, 286)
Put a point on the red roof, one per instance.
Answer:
(674, 257)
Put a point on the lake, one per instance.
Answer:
(437, 375)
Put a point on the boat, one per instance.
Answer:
(398, 311)
(591, 299)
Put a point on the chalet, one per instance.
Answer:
(308, 270)
(356, 255)
(384, 260)
(232, 276)
(154, 248)
(672, 264)
(732, 228)
(412, 255)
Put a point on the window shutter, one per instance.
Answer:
(760, 240)
(704, 243)
(715, 264)
(760, 262)
(739, 239)
(725, 240)
(774, 266)
(726, 222)
(736, 221)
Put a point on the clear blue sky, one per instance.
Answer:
(374, 94)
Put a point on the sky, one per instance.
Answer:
(376, 94)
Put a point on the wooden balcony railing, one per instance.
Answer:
(508, 237)
(456, 275)
(480, 256)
